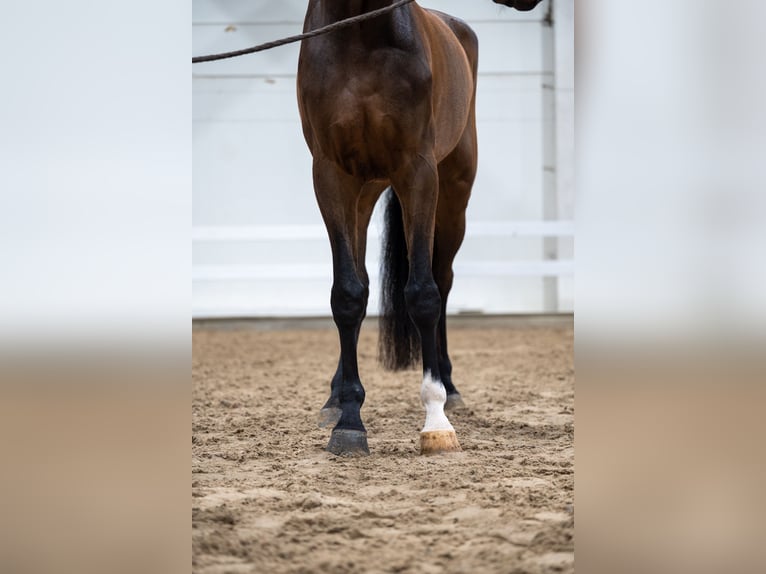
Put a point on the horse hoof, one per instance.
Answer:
(437, 442)
(348, 443)
(328, 416)
(454, 402)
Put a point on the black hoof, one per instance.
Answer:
(454, 402)
(348, 443)
(328, 416)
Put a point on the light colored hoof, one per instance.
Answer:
(436, 442)
(328, 416)
(348, 443)
(454, 403)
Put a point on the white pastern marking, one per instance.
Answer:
(433, 395)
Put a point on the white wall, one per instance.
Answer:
(259, 245)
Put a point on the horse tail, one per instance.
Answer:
(398, 341)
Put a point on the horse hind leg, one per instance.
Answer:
(456, 175)
(443, 275)
(417, 191)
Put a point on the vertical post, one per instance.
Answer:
(563, 30)
(550, 163)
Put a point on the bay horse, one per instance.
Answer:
(390, 103)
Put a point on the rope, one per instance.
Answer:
(323, 30)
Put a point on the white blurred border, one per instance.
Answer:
(95, 185)
(670, 314)
(671, 136)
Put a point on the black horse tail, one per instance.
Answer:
(399, 341)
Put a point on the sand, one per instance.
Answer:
(267, 497)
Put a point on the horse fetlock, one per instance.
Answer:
(351, 398)
(352, 393)
(433, 396)
(350, 417)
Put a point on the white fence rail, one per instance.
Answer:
(259, 246)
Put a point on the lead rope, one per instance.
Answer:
(289, 40)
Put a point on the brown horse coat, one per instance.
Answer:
(391, 102)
